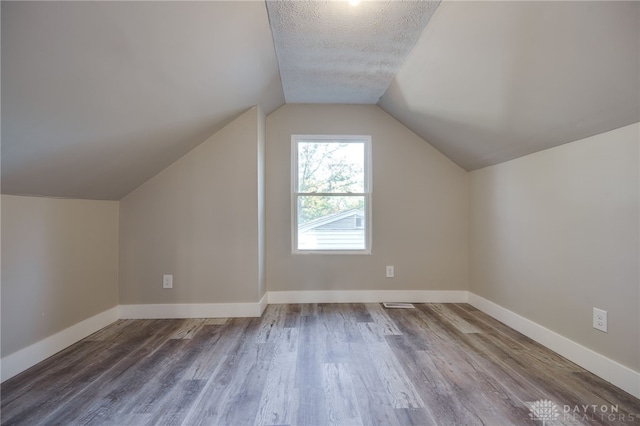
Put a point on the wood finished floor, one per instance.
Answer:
(340, 364)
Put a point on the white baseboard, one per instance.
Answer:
(263, 302)
(609, 370)
(192, 310)
(23, 359)
(368, 296)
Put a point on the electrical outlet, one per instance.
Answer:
(600, 319)
(167, 281)
(390, 272)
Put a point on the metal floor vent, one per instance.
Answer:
(398, 305)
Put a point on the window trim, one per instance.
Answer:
(367, 194)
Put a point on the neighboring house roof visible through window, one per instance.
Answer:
(350, 219)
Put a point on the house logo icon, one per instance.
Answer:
(544, 410)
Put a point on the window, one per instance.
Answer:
(331, 200)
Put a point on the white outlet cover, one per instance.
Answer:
(167, 281)
(600, 319)
(390, 272)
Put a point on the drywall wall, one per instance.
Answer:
(198, 221)
(59, 265)
(556, 233)
(419, 207)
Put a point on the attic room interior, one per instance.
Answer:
(320, 212)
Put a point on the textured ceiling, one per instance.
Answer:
(97, 97)
(334, 52)
(491, 81)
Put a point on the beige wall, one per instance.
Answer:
(59, 265)
(556, 233)
(419, 207)
(197, 220)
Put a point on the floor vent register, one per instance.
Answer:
(398, 305)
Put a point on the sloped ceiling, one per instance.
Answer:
(99, 96)
(491, 81)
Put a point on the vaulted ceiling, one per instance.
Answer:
(97, 97)
(337, 52)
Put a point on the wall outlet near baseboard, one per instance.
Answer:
(600, 319)
(390, 271)
(167, 281)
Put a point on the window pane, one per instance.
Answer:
(331, 223)
(331, 167)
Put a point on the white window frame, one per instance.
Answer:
(366, 194)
